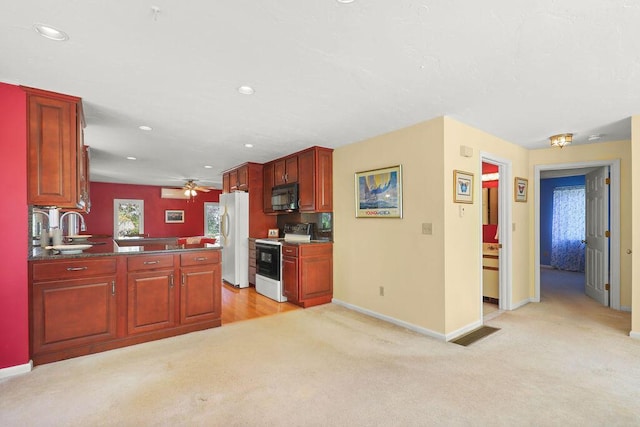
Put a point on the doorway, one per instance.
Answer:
(606, 266)
(495, 253)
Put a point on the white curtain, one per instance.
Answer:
(567, 250)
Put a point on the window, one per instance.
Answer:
(128, 218)
(212, 220)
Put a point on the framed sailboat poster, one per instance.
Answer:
(379, 193)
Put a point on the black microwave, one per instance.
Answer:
(284, 197)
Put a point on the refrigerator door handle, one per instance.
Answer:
(224, 226)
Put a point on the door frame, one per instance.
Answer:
(505, 190)
(614, 221)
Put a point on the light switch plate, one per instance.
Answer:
(427, 228)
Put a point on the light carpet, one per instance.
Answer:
(563, 362)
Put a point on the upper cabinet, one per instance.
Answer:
(285, 171)
(315, 180)
(236, 179)
(57, 160)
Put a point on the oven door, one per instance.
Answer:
(268, 260)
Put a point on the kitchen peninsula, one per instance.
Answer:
(120, 293)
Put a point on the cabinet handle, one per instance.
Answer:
(171, 281)
(151, 262)
(77, 268)
(183, 280)
(113, 287)
(202, 258)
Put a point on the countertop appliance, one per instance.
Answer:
(234, 230)
(284, 197)
(269, 260)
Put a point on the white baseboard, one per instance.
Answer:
(522, 303)
(635, 335)
(16, 370)
(625, 308)
(465, 329)
(401, 323)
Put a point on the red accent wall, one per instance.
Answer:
(14, 320)
(100, 219)
(489, 168)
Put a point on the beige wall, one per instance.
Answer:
(431, 281)
(592, 152)
(374, 252)
(463, 262)
(635, 226)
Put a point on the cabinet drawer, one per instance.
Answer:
(289, 250)
(73, 268)
(199, 258)
(148, 262)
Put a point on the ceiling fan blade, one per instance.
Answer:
(203, 189)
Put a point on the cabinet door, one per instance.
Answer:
(316, 276)
(226, 183)
(233, 180)
(200, 293)
(243, 178)
(279, 172)
(324, 181)
(70, 313)
(53, 151)
(290, 278)
(150, 301)
(306, 180)
(291, 169)
(267, 185)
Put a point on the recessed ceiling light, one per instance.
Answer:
(248, 145)
(50, 32)
(594, 137)
(345, 1)
(208, 167)
(131, 158)
(246, 90)
(143, 127)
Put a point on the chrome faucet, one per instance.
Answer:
(83, 227)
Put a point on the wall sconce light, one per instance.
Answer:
(561, 140)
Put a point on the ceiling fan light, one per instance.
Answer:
(187, 192)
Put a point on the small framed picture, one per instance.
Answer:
(273, 233)
(173, 216)
(520, 190)
(462, 187)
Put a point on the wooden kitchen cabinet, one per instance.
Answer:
(55, 165)
(267, 186)
(150, 293)
(86, 305)
(252, 261)
(285, 171)
(307, 273)
(73, 303)
(315, 180)
(200, 279)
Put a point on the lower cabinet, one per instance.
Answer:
(88, 305)
(307, 273)
(200, 278)
(252, 261)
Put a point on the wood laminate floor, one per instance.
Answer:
(243, 304)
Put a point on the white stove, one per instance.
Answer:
(269, 260)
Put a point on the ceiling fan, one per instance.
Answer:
(191, 188)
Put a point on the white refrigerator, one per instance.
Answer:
(234, 233)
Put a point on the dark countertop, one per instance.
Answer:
(109, 247)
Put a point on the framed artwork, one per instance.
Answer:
(173, 216)
(462, 187)
(520, 189)
(273, 233)
(379, 193)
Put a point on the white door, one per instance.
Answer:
(596, 276)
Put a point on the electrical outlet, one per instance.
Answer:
(427, 228)
(381, 291)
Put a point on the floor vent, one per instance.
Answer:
(474, 336)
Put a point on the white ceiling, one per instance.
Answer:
(324, 73)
